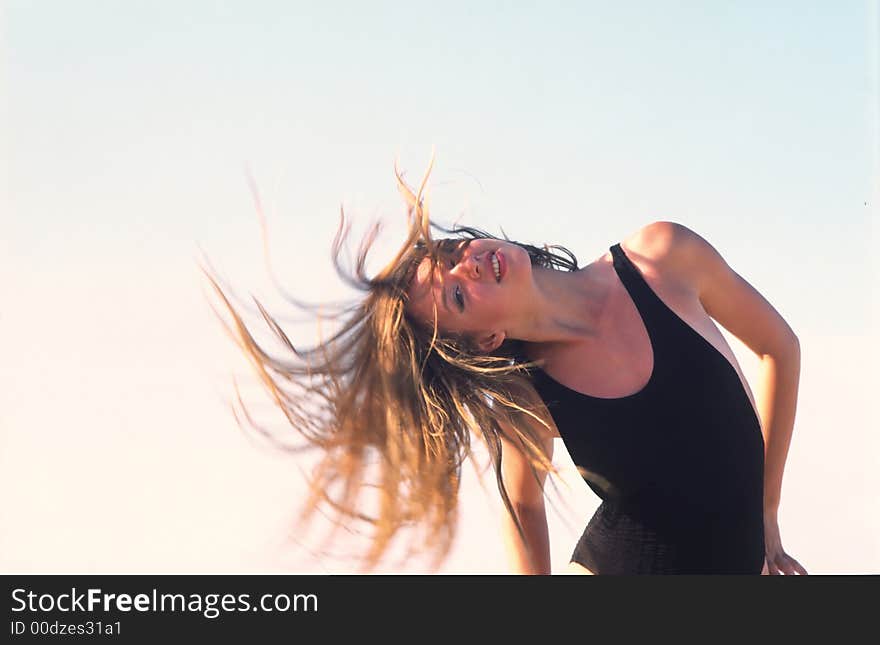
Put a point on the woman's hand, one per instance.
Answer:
(776, 561)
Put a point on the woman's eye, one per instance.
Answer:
(458, 298)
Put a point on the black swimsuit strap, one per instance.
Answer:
(641, 293)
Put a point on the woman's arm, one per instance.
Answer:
(527, 498)
(745, 313)
(777, 402)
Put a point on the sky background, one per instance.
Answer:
(127, 128)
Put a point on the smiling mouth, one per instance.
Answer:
(496, 266)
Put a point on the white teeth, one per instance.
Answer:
(496, 267)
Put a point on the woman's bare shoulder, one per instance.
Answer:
(656, 241)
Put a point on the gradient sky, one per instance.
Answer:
(128, 126)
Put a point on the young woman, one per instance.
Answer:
(476, 336)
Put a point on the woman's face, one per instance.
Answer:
(469, 295)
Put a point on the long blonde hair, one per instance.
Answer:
(390, 395)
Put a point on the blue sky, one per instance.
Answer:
(128, 126)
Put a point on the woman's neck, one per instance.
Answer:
(565, 306)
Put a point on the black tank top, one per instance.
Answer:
(679, 465)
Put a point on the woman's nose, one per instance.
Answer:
(470, 266)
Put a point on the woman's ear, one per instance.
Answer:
(490, 342)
